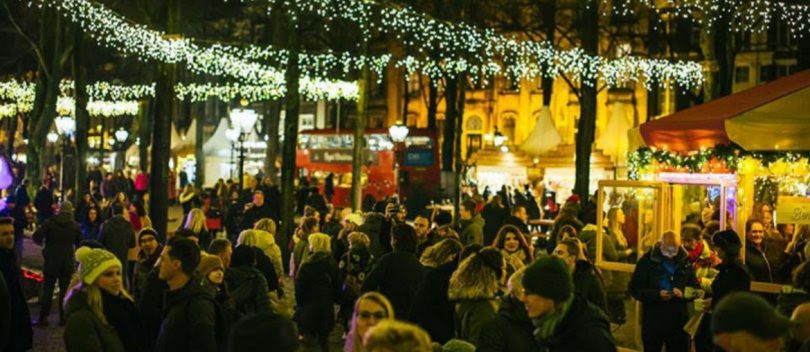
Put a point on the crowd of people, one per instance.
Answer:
(487, 280)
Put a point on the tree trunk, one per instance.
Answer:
(288, 168)
(723, 53)
(550, 28)
(359, 134)
(161, 137)
(433, 103)
(145, 123)
(51, 42)
(271, 122)
(406, 99)
(587, 115)
(81, 115)
(199, 155)
(12, 132)
(459, 129)
(450, 94)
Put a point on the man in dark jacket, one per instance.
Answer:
(494, 214)
(586, 283)
(431, 308)
(43, 202)
(563, 321)
(256, 210)
(18, 333)
(397, 274)
(59, 235)
(117, 236)
(147, 257)
(189, 313)
(511, 329)
(471, 224)
(659, 283)
(519, 219)
(247, 284)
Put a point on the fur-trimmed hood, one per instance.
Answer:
(482, 284)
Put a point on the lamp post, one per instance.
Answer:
(66, 126)
(233, 136)
(120, 137)
(398, 133)
(243, 121)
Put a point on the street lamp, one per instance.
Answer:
(66, 126)
(121, 135)
(233, 136)
(243, 121)
(118, 143)
(398, 133)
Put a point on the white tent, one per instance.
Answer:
(544, 137)
(217, 151)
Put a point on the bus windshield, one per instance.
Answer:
(376, 141)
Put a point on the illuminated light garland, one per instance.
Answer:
(110, 92)
(113, 31)
(744, 15)
(494, 53)
(315, 90)
(721, 158)
(22, 95)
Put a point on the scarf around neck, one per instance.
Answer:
(545, 325)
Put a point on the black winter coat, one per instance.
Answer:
(117, 236)
(645, 286)
(588, 285)
(59, 235)
(189, 320)
(19, 332)
(255, 214)
(765, 265)
(511, 330)
(43, 202)
(248, 288)
(494, 217)
(397, 276)
(517, 222)
(584, 328)
(122, 315)
(317, 290)
(431, 308)
(731, 277)
(84, 331)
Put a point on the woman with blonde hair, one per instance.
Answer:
(195, 221)
(100, 314)
(395, 336)
(261, 238)
(370, 309)
(266, 224)
(300, 243)
(440, 253)
(317, 290)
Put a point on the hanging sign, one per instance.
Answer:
(793, 210)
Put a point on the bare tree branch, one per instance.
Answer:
(34, 46)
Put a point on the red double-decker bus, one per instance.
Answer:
(321, 152)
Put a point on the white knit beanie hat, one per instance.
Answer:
(93, 262)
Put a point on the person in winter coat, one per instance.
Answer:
(519, 219)
(474, 289)
(586, 282)
(514, 248)
(19, 335)
(494, 214)
(15, 210)
(397, 274)
(59, 235)
(117, 235)
(101, 316)
(431, 308)
(511, 329)
(369, 309)
(91, 225)
(256, 210)
(763, 256)
(471, 224)
(300, 244)
(264, 238)
(247, 284)
(196, 222)
(148, 255)
(43, 202)
(212, 270)
(189, 319)
(317, 289)
(701, 256)
(562, 320)
(732, 276)
(659, 283)
(354, 267)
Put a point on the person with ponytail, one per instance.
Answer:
(100, 314)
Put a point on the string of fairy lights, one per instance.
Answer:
(104, 99)
(492, 53)
(114, 31)
(755, 16)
